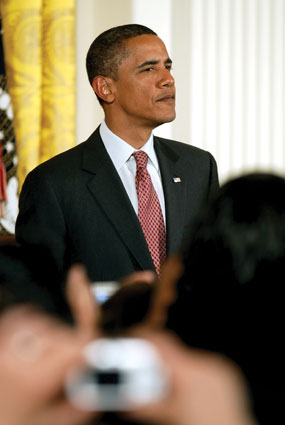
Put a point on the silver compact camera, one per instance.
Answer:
(120, 374)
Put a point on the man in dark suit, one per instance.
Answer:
(83, 204)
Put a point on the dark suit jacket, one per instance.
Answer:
(76, 205)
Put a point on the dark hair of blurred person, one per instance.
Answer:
(230, 296)
(30, 276)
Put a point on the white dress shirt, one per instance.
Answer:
(121, 154)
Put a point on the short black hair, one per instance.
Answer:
(107, 51)
(28, 276)
(244, 223)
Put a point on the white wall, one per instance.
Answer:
(237, 85)
(228, 59)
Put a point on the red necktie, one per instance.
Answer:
(149, 212)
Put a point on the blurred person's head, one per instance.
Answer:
(39, 339)
(29, 276)
(245, 225)
(230, 295)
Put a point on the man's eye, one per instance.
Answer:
(149, 69)
(169, 67)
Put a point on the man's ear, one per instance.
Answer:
(103, 87)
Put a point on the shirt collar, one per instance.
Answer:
(120, 151)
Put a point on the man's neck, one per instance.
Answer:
(133, 135)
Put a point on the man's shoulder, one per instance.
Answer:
(180, 148)
(69, 158)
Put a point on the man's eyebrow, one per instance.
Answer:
(153, 62)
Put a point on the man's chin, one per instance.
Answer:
(166, 118)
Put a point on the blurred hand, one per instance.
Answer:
(146, 276)
(37, 352)
(205, 389)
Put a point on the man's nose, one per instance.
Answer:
(166, 80)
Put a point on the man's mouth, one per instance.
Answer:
(167, 98)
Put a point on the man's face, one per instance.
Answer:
(145, 89)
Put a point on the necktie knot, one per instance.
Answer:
(141, 159)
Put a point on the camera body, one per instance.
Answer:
(120, 374)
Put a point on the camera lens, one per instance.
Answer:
(111, 377)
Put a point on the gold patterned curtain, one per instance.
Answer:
(39, 44)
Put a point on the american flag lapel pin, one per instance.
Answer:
(176, 179)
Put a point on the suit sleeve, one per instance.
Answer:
(40, 221)
(213, 177)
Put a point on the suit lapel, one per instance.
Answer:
(107, 188)
(174, 192)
